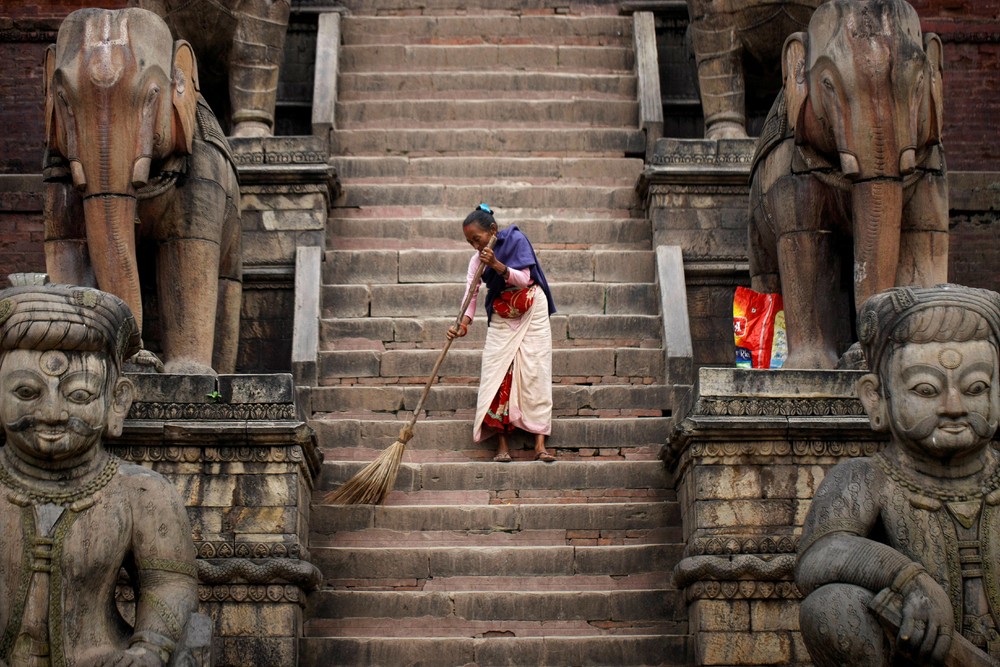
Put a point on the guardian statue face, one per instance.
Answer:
(54, 406)
(941, 397)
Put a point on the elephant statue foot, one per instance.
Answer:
(725, 130)
(250, 129)
(144, 361)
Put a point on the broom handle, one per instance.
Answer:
(473, 290)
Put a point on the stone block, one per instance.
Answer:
(743, 513)
(624, 267)
(256, 620)
(743, 648)
(206, 491)
(165, 388)
(434, 266)
(451, 518)
(706, 616)
(626, 560)
(270, 248)
(358, 563)
(501, 561)
(349, 363)
(635, 361)
(354, 267)
(580, 298)
(255, 650)
(266, 490)
(345, 300)
(727, 482)
(625, 298)
(273, 388)
(587, 362)
(628, 327)
(774, 615)
(567, 266)
(260, 519)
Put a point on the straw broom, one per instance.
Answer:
(372, 484)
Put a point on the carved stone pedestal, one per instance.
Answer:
(244, 464)
(749, 448)
(696, 196)
(286, 187)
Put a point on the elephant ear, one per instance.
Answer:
(793, 74)
(935, 88)
(185, 96)
(50, 102)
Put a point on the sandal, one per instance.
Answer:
(544, 456)
(502, 458)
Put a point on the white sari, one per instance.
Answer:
(525, 342)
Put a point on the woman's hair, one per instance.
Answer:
(482, 216)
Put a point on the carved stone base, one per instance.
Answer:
(286, 187)
(696, 197)
(749, 449)
(245, 466)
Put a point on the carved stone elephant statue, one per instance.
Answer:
(239, 45)
(728, 34)
(135, 158)
(849, 167)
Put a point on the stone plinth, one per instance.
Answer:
(749, 449)
(245, 465)
(696, 197)
(286, 187)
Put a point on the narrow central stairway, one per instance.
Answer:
(534, 112)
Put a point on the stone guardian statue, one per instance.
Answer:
(72, 515)
(900, 554)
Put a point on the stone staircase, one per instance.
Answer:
(472, 562)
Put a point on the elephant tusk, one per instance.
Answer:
(140, 172)
(849, 164)
(79, 178)
(908, 161)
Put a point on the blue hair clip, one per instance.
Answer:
(486, 208)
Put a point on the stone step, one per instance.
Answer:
(488, 141)
(554, 231)
(456, 626)
(489, 29)
(488, 8)
(532, 57)
(346, 326)
(472, 608)
(576, 365)
(562, 523)
(350, 442)
(433, 562)
(377, 537)
(496, 649)
(606, 399)
(363, 192)
(626, 171)
(443, 265)
(483, 85)
(584, 435)
(477, 113)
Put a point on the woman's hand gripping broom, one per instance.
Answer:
(373, 483)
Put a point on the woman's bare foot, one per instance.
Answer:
(541, 454)
(503, 453)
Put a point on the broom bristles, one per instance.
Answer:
(371, 484)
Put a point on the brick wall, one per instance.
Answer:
(971, 36)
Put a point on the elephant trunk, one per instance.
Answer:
(110, 224)
(877, 214)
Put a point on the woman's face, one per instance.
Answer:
(477, 236)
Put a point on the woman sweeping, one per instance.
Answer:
(515, 387)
